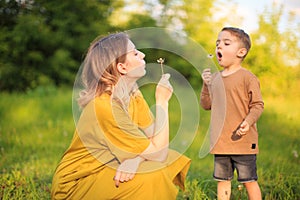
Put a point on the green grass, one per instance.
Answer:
(37, 127)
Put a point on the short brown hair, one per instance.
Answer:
(241, 35)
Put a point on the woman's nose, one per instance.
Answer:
(142, 55)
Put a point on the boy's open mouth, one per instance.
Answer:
(219, 55)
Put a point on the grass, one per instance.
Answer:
(37, 127)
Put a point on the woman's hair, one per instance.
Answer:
(99, 73)
(241, 35)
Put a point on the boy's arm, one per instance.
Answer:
(256, 107)
(256, 104)
(205, 100)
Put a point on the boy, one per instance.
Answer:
(234, 98)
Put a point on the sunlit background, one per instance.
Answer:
(42, 45)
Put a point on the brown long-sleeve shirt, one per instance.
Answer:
(233, 99)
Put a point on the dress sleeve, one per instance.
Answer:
(122, 135)
(142, 114)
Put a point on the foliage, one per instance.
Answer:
(32, 128)
(37, 127)
(43, 42)
(274, 55)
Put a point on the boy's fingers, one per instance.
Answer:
(206, 70)
(243, 124)
(240, 132)
(206, 75)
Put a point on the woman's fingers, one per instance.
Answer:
(122, 177)
(164, 81)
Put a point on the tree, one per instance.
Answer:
(43, 42)
(274, 55)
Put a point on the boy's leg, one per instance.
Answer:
(246, 168)
(223, 173)
(224, 190)
(253, 190)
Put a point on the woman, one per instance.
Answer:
(118, 150)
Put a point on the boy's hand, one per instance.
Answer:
(206, 76)
(244, 128)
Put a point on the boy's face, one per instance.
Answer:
(229, 51)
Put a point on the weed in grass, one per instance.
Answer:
(15, 185)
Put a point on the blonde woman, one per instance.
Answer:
(119, 151)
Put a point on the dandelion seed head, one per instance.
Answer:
(210, 56)
(240, 187)
(161, 60)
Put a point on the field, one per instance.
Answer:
(36, 128)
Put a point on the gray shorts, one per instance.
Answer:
(245, 166)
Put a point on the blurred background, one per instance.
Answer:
(42, 45)
(43, 42)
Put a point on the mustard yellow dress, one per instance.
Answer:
(107, 134)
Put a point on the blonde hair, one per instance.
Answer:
(99, 73)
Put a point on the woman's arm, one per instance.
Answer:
(158, 148)
(158, 133)
(156, 151)
(149, 131)
(127, 169)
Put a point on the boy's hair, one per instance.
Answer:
(240, 34)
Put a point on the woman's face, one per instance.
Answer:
(135, 63)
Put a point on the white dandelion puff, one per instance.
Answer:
(161, 61)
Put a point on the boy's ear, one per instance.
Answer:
(242, 52)
(122, 68)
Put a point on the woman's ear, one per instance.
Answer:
(122, 68)
(242, 52)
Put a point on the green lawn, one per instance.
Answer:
(37, 127)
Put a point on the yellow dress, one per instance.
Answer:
(106, 134)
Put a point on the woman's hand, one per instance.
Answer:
(164, 89)
(127, 169)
